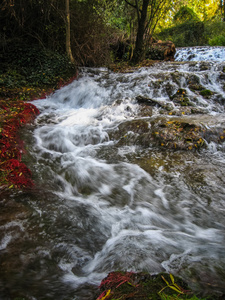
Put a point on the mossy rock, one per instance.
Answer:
(196, 87)
(204, 66)
(185, 101)
(179, 92)
(181, 98)
(206, 93)
(193, 79)
(131, 133)
(148, 101)
(178, 135)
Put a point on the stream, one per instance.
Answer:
(105, 200)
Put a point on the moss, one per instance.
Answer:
(206, 93)
(180, 92)
(184, 101)
(181, 98)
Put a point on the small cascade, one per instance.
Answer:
(201, 54)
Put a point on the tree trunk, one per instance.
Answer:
(223, 10)
(68, 45)
(139, 45)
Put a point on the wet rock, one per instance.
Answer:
(180, 97)
(196, 87)
(134, 132)
(176, 77)
(169, 106)
(204, 66)
(206, 93)
(157, 103)
(198, 110)
(169, 89)
(187, 133)
(148, 101)
(222, 76)
(216, 135)
(184, 132)
(178, 135)
(146, 110)
(220, 99)
(193, 79)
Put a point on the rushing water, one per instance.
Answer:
(100, 205)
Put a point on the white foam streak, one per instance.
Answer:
(200, 54)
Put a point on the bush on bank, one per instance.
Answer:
(34, 66)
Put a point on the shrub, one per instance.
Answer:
(218, 40)
(34, 66)
(189, 33)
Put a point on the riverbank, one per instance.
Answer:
(15, 113)
(27, 73)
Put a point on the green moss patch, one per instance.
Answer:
(206, 93)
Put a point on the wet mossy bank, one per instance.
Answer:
(27, 74)
(136, 286)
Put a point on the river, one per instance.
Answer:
(105, 200)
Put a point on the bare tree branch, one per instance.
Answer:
(134, 6)
(138, 11)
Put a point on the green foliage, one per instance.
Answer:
(173, 285)
(188, 29)
(185, 14)
(189, 33)
(218, 40)
(34, 66)
(215, 31)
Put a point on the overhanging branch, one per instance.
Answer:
(134, 6)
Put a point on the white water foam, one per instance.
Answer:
(200, 54)
(117, 215)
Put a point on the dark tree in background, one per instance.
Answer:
(68, 43)
(149, 12)
(84, 30)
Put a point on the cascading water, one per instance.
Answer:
(201, 54)
(106, 201)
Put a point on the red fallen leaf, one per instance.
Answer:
(116, 278)
(18, 173)
(11, 147)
